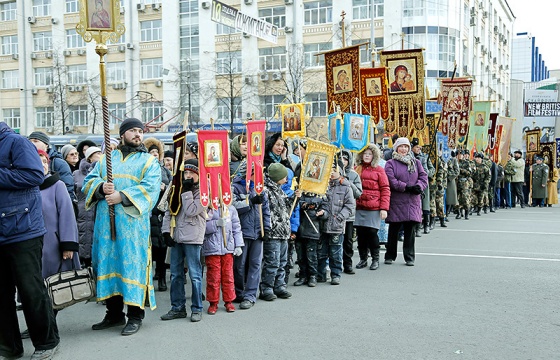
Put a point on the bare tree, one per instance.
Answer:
(93, 98)
(58, 90)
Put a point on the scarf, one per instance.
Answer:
(235, 149)
(274, 157)
(127, 150)
(407, 159)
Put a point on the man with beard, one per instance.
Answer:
(123, 265)
(518, 165)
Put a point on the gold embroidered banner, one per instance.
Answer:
(532, 141)
(375, 97)
(405, 73)
(343, 77)
(548, 152)
(293, 120)
(456, 96)
(316, 167)
(505, 126)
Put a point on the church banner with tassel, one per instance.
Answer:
(456, 95)
(478, 125)
(492, 130)
(548, 152)
(293, 120)
(375, 97)
(504, 127)
(317, 167)
(255, 153)
(355, 132)
(405, 73)
(215, 185)
(343, 77)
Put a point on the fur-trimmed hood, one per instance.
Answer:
(153, 141)
(376, 155)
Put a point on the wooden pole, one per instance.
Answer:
(343, 15)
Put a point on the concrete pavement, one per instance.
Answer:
(486, 288)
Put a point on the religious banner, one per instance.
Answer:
(432, 106)
(179, 143)
(557, 152)
(455, 95)
(293, 120)
(405, 73)
(532, 140)
(496, 153)
(492, 130)
(478, 125)
(429, 136)
(504, 142)
(213, 151)
(355, 132)
(342, 67)
(255, 153)
(443, 146)
(335, 129)
(375, 99)
(548, 153)
(317, 167)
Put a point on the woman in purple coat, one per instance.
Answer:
(407, 179)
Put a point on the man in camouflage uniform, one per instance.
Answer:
(492, 183)
(452, 175)
(481, 178)
(440, 185)
(464, 184)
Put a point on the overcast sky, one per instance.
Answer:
(540, 19)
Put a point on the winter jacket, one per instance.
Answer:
(519, 169)
(338, 207)
(60, 166)
(405, 206)
(287, 188)
(376, 193)
(539, 179)
(213, 237)
(21, 173)
(191, 220)
(309, 206)
(85, 218)
(249, 214)
(62, 232)
(280, 206)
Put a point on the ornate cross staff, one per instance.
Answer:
(100, 20)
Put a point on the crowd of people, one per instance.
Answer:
(56, 206)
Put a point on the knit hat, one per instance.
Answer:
(44, 153)
(401, 141)
(153, 147)
(277, 172)
(66, 150)
(415, 142)
(91, 150)
(193, 147)
(128, 124)
(41, 136)
(518, 152)
(168, 153)
(191, 165)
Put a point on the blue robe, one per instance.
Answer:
(123, 266)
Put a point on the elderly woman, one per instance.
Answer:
(407, 179)
(238, 150)
(70, 155)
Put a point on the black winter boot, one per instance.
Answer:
(426, 224)
(459, 214)
(162, 284)
(418, 231)
(466, 215)
(442, 222)
(432, 222)
(486, 210)
(374, 260)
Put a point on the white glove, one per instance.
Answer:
(220, 222)
(237, 251)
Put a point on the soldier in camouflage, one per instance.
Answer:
(464, 182)
(441, 186)
(492, 184)
(481, 178)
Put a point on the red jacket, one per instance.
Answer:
(376, 193)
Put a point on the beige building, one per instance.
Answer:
(173, 58)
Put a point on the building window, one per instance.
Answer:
(12, 118)
(224, 106)
(362, 9)
(72, 6)
(317, 12)
(275, 15)
(78, 115)
(365, 52)
(228, 62)
(9, 44)
(152, 110)
(42, 41)
(44, 117)
(150, 30)
(318, 103)
(151, 68)
(225, 30)
(272, 58)
(74, 40)
(117, 112)
(120, 40)
(413, 7)
(10, 79)
(76, 74)
(268, 105)
(309, 51)
(43, 76)
(437, 7)
(41, 7)
(8, 11)
(115, 72)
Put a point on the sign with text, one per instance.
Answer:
(542, 109)
(230, 16)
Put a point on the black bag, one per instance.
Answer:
(66, 288)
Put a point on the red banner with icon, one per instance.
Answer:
(255, 153)
(215, 185)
